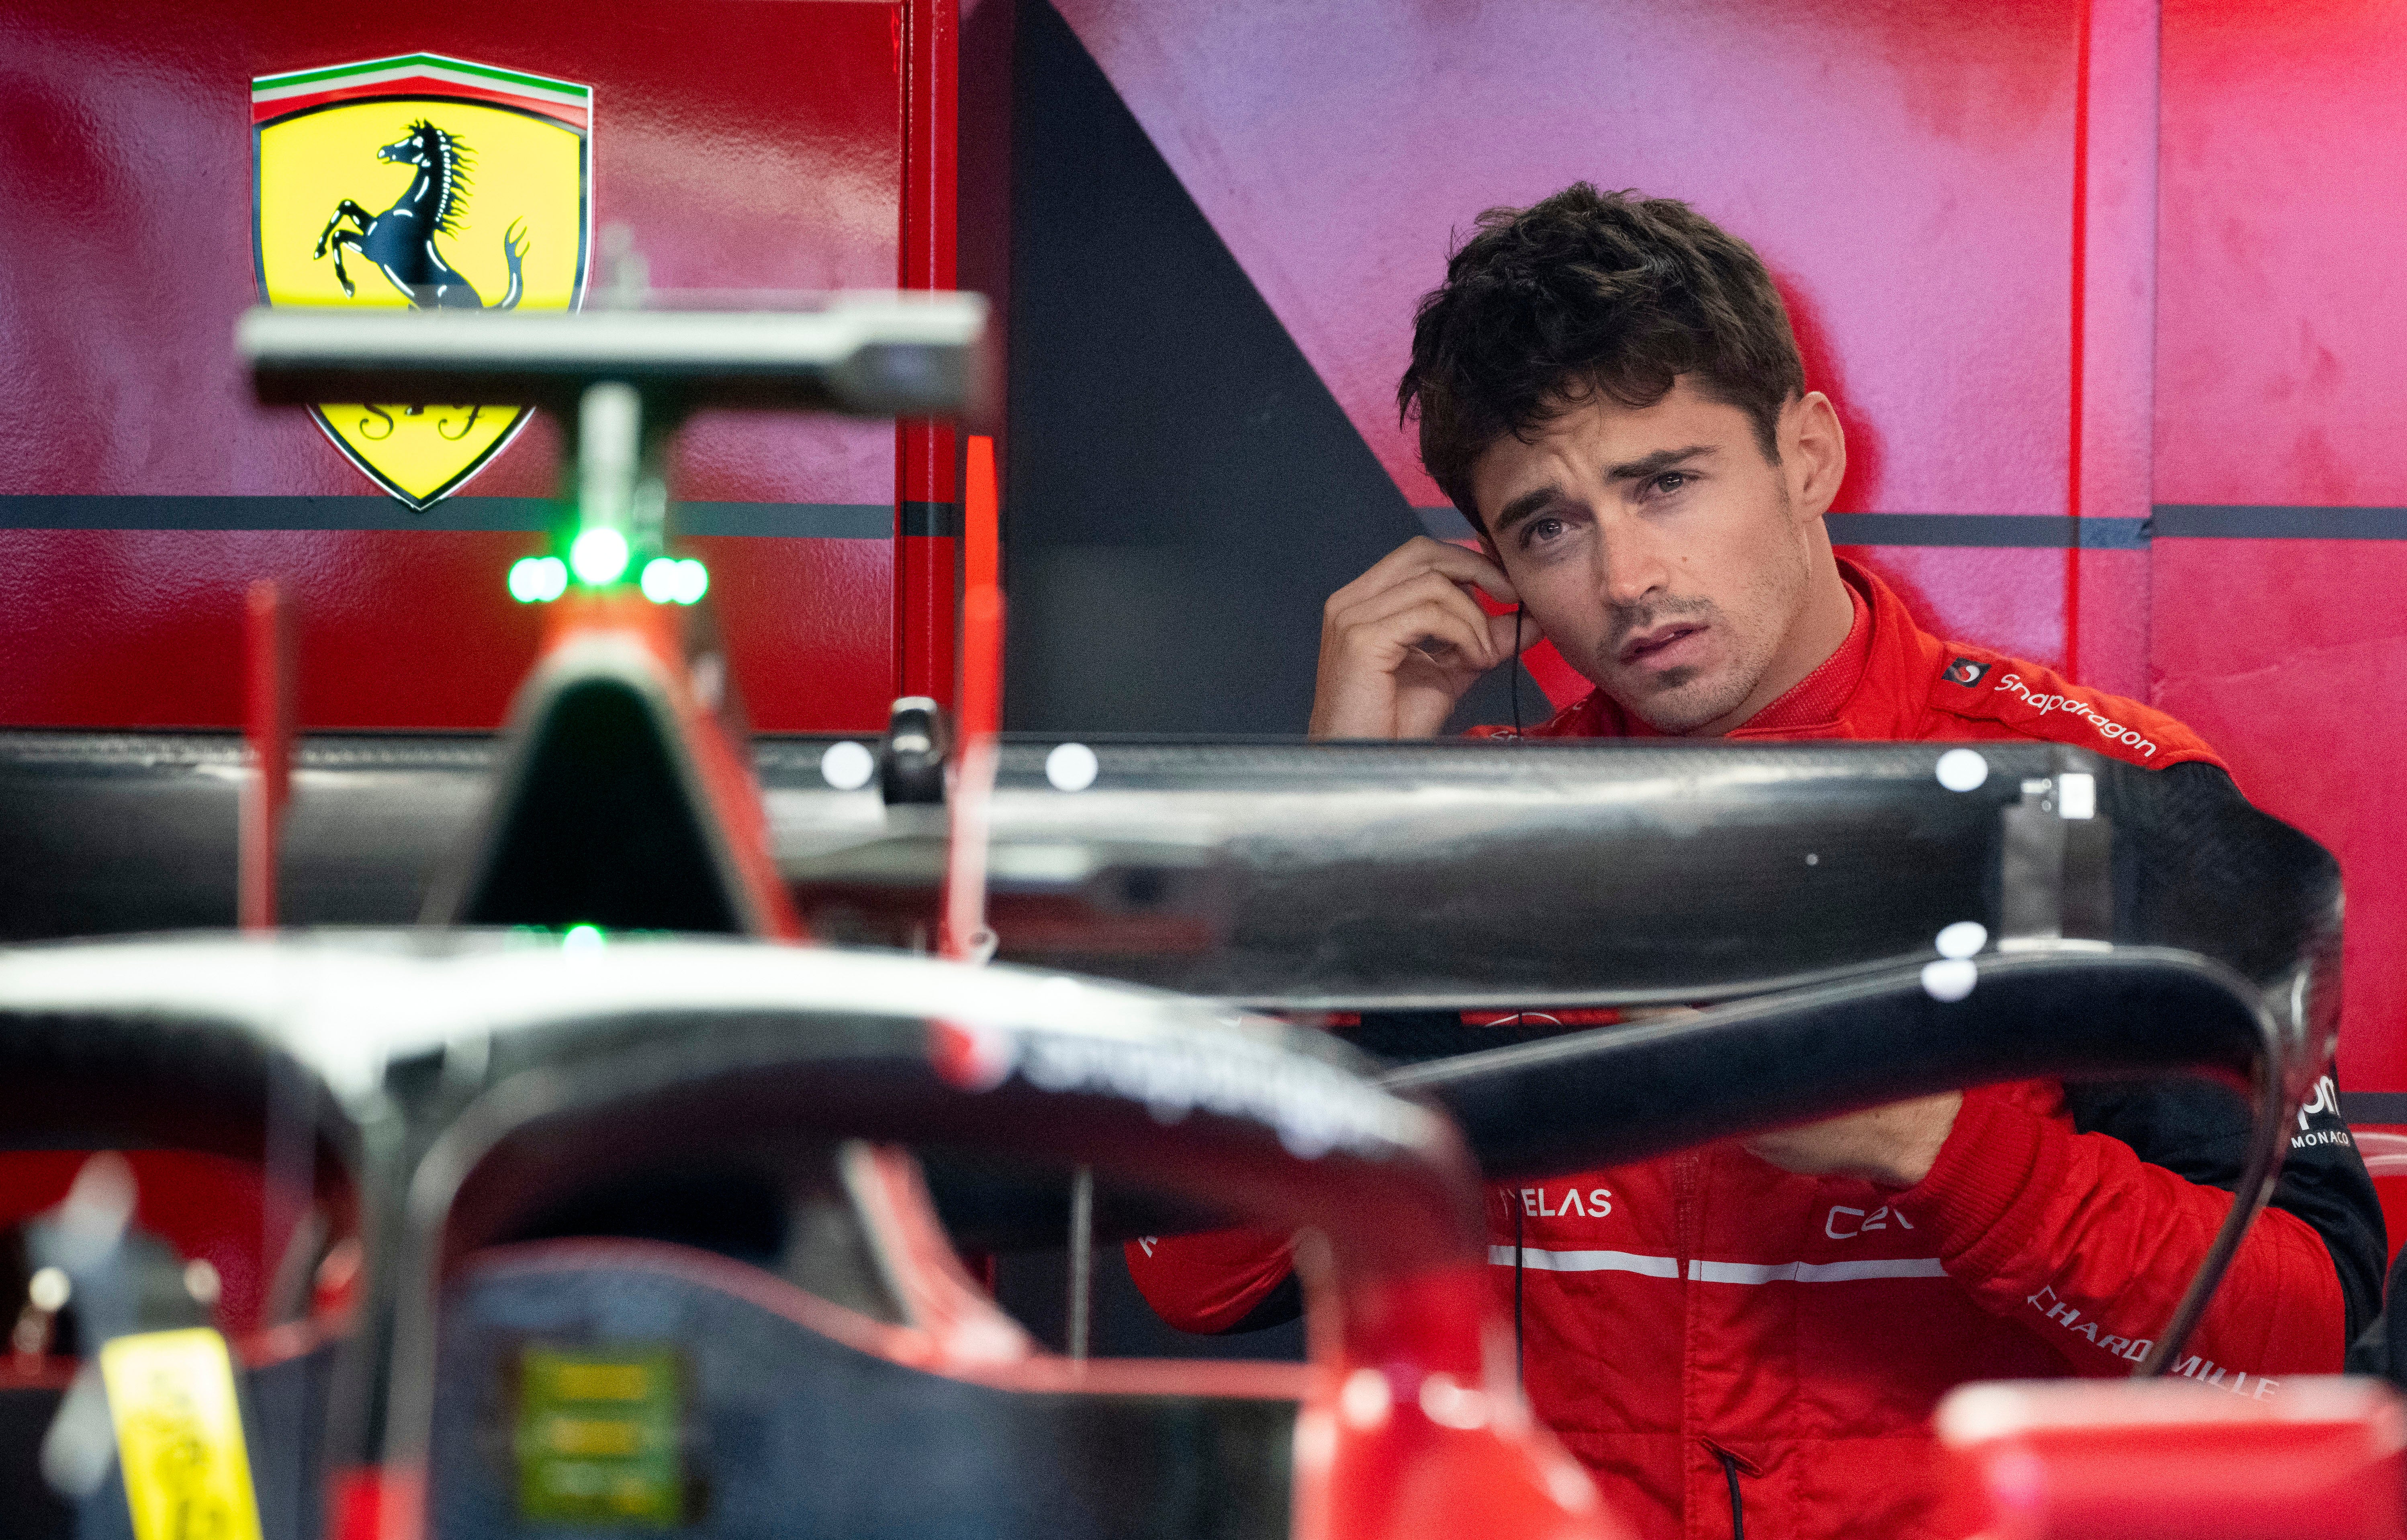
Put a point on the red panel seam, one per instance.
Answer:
(2080, 326)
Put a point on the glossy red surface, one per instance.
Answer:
(144, 627)
(924, 605)
(745, 146)
(2172, 1460)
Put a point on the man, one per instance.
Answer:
(1609, 389)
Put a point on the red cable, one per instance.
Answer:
(982, 704)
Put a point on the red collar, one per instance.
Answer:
(1818, 698)
(1809, 708)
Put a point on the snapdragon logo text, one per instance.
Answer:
(2111, 730)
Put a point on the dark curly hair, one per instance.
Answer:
(1587, 292)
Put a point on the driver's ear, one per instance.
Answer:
(1815, 451)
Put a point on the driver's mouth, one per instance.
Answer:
(1639, 648)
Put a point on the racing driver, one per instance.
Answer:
(1752, 1335)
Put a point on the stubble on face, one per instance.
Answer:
(1682, 699)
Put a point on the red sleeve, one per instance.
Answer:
(2078, 1238)
(1209, 1282)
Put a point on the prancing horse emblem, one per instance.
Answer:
(401, 240)
(324, 144)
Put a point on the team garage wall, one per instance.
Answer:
(2140, 273)
(2109, 316)
(743, 145)
(2280, 470)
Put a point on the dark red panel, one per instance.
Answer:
(926, 562)
(805, 624)
(743, 144)
(208, 1208)
(144, 628)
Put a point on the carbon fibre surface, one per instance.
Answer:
(1332, 876)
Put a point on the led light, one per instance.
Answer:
(669, 581)
(848, 766)
(539, 579)
(1072, 767)
(599, 556)
(581, 938)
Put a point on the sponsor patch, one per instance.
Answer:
(2105, 727)
(1964, 670)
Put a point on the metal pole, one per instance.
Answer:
(1082, 1258)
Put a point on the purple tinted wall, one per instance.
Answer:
(1964, 205)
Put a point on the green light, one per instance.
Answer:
(669, 581)
(599, 556)
(539, 579)
(581, 938)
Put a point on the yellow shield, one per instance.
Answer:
(429, 182)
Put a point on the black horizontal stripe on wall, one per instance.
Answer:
(2265, 521)
(932, 518)
(502, 514)
(1994, 531)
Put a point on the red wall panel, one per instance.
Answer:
(2288, 656)
(745, 146)
(2282, 364)
(143, 627)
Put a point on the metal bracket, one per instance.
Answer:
(2055, 875)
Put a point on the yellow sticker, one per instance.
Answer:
(179, 1436)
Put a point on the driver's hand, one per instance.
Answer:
(1400, 644)
(1892, 1146)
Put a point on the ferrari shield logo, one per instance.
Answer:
(426, 182)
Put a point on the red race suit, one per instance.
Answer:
(1723, 1342)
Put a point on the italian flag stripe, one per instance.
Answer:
(275, 95)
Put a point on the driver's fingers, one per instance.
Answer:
(1420, 555)
(1431, 592)
(1446, 638)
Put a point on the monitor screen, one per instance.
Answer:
(599, 1434)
